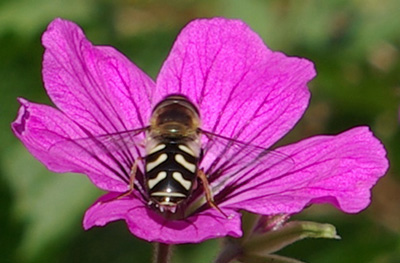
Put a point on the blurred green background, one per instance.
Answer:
(354, 45)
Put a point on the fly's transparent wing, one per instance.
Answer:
(112, 153)
(231, 162)
(105, 143)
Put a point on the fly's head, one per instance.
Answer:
(175, 117)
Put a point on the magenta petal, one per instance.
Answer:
(243, 89)
(147, 224)
(40, 127)
(96, 86)
(340, 170)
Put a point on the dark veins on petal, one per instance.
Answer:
(100, 101)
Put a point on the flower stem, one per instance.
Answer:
(162, 253)
(232, 250)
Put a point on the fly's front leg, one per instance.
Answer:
(207, 191)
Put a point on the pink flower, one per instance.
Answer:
(242, 89)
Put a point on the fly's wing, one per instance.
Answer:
(230, 162)
(105, 143)
(115, 152)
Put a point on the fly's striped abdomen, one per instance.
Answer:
(171, 169)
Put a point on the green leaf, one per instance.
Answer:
(290, 232)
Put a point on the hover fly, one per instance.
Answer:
(171, 152)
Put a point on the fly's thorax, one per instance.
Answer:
(174, 117)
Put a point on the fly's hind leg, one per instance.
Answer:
(207, 191)
(132, 176)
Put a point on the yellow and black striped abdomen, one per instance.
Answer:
(171, 169)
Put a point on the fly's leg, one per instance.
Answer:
(207, 191)
(132, 176)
